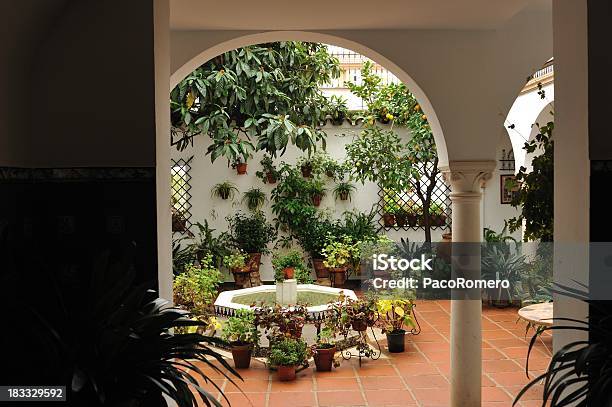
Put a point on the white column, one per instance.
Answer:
(466, 179)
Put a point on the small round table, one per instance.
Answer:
(540, 315)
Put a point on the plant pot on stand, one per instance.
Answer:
(359, 325)
(241, 353)
(324, 358)
(289, 273)
(395, 341)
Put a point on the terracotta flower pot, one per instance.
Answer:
(286, 373)
(344, 195)
(241, 168)
(324, 358)
(316, 199)
(306, 171)
(320, 269)
(270, 178)
(389, 219)
(242, 355)
(289, 272)
(329, 173)
(395, 341)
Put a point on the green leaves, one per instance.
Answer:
(269, 91)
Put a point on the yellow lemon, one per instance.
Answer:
(389, 116)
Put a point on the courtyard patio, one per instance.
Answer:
(418, 377)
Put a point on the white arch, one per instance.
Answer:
(523, 114)
(273, 36)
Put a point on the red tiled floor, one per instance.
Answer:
(418, 377)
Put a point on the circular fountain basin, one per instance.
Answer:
(226, 303)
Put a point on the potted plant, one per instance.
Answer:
(270, 174)
(282, 322)
(285, 265)
(338, 254)
(414, 214)
(242, 334)
(254, 199)
(313, 237)
(311, 165)
(343, 190)
(224, 190)
(196, 288)
(394, 315)
(316, 189)
(437, 216)
(401, 216)
(337, 109)
(332, 168)
(361, 313)
(240, 164)
(251, 234)
(236, 263)
(325, 349)
(389, 210)
(286, 354)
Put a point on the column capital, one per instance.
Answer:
(468, 176)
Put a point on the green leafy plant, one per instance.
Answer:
(344, 191)
(224, 190)
(202, 245)
(332, 168)
(315, 187)
(110, 342)
(337, 109)
(240, 329)
(282, 322)
(254, 199)
(269, 174)
(197, 288)
(339, 253)
(312, 165)
(502, 263)
(291, 259)
(255, 92)
(288, 352)
(235, 260)
(291, 201)
(313, 234)
(578, 373)
(395, 314)
(252, 234)
(535, 194)
(380, 156)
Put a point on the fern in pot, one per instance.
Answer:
(344, 191)
(254, 199)
(224, 190)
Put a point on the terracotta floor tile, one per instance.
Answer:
(492, 354)
(295, 385)
(293, 399)
(389, 398)
(497, 334)
(435, 357)
(371, 369)
(433, 347)
(409, 370)
(246, 399)
(248, 386)
(340, 383)
(428, 382)
(494, 366)
(494, 394)
(407, 357)
(510, 378)
(382, 383)
(340, 398)
(432, 397)
(534, 393)
(487, 382)
(508, 343)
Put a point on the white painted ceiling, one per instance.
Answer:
(345, 14)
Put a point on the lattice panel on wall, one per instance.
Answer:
(181, 197)
(405, 207)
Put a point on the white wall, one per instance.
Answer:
(206, 174)
(493, 211)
